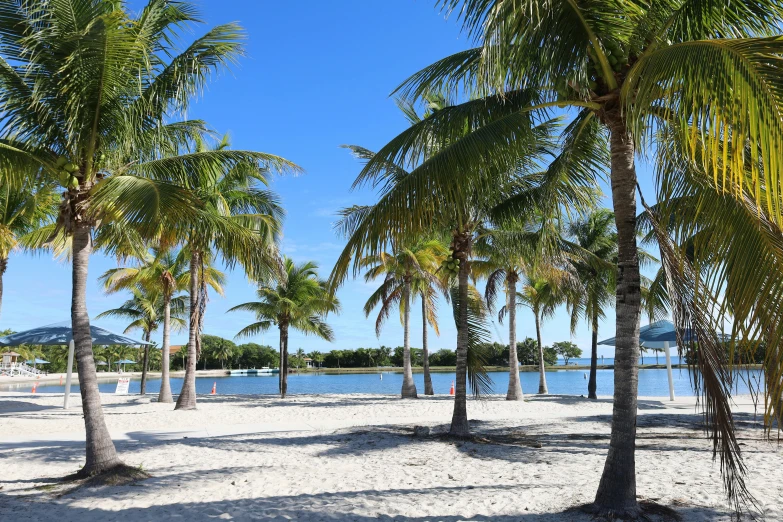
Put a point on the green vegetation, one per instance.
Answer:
(104, 103)
(567, 350)
(409, 271)
(298, 299)
(487, 184)
(646, 76)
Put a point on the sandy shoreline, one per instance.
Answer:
(352, 457)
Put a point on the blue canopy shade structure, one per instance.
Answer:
(38, 361)
(656, 335)
(125, 361)
(660, 334)
(61, 334)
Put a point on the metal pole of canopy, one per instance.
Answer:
(669, 369)
(68, 375)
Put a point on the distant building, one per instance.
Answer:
(10, 358)
(308, 362)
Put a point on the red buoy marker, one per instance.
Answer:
(214, 388)
(451, 391)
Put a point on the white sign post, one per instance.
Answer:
(669, 369)
(123, 383)
(68, 375)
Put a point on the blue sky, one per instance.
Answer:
(316, 75)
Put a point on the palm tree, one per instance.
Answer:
(241, 222)
(24, 208)
(146, 309)
(163, 270)
(542, 295)
(223, 352)
(454, 186)
(92, 94)
(596, 272)
(634, 67)
(298, 300)
(428, 294)
(338, 354)
(408, 270)
(505, 256)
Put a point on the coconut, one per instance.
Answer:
(63, 177)
(71, 167)
(61, 161)
(73, 182)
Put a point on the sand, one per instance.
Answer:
(353, 457)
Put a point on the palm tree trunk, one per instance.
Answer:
(514, 385)
(617, 489)
(284, 366)
(408, 386)
(3, 268)
(592, 386)
(425, 354)
(280, 365)
(459, 419)
(187, 397)
(101, 454)
(145, 364)
(542, 388)
(165, 384)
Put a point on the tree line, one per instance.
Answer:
(486, 184)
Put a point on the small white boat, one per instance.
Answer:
(255, 371)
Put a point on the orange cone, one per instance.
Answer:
(451, 391)
(214, 388)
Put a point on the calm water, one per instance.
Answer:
(569, 382)
(649, 358)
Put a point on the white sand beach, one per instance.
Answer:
(354, 457)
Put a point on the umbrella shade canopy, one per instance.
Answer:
(101, 363)
(61, 334)
(125, 361)
(38, 361)
(655, 334)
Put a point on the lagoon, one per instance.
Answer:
(652, 382)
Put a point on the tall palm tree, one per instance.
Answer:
(92, 95)
(428, 292)
(542, 295)
(409, 270)
(297, 299)
(505, 255)
(635, 67)
(146, 309)
(431, 179)
(241, 223)
(159, 269)
(596, 272)
(24, 208)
